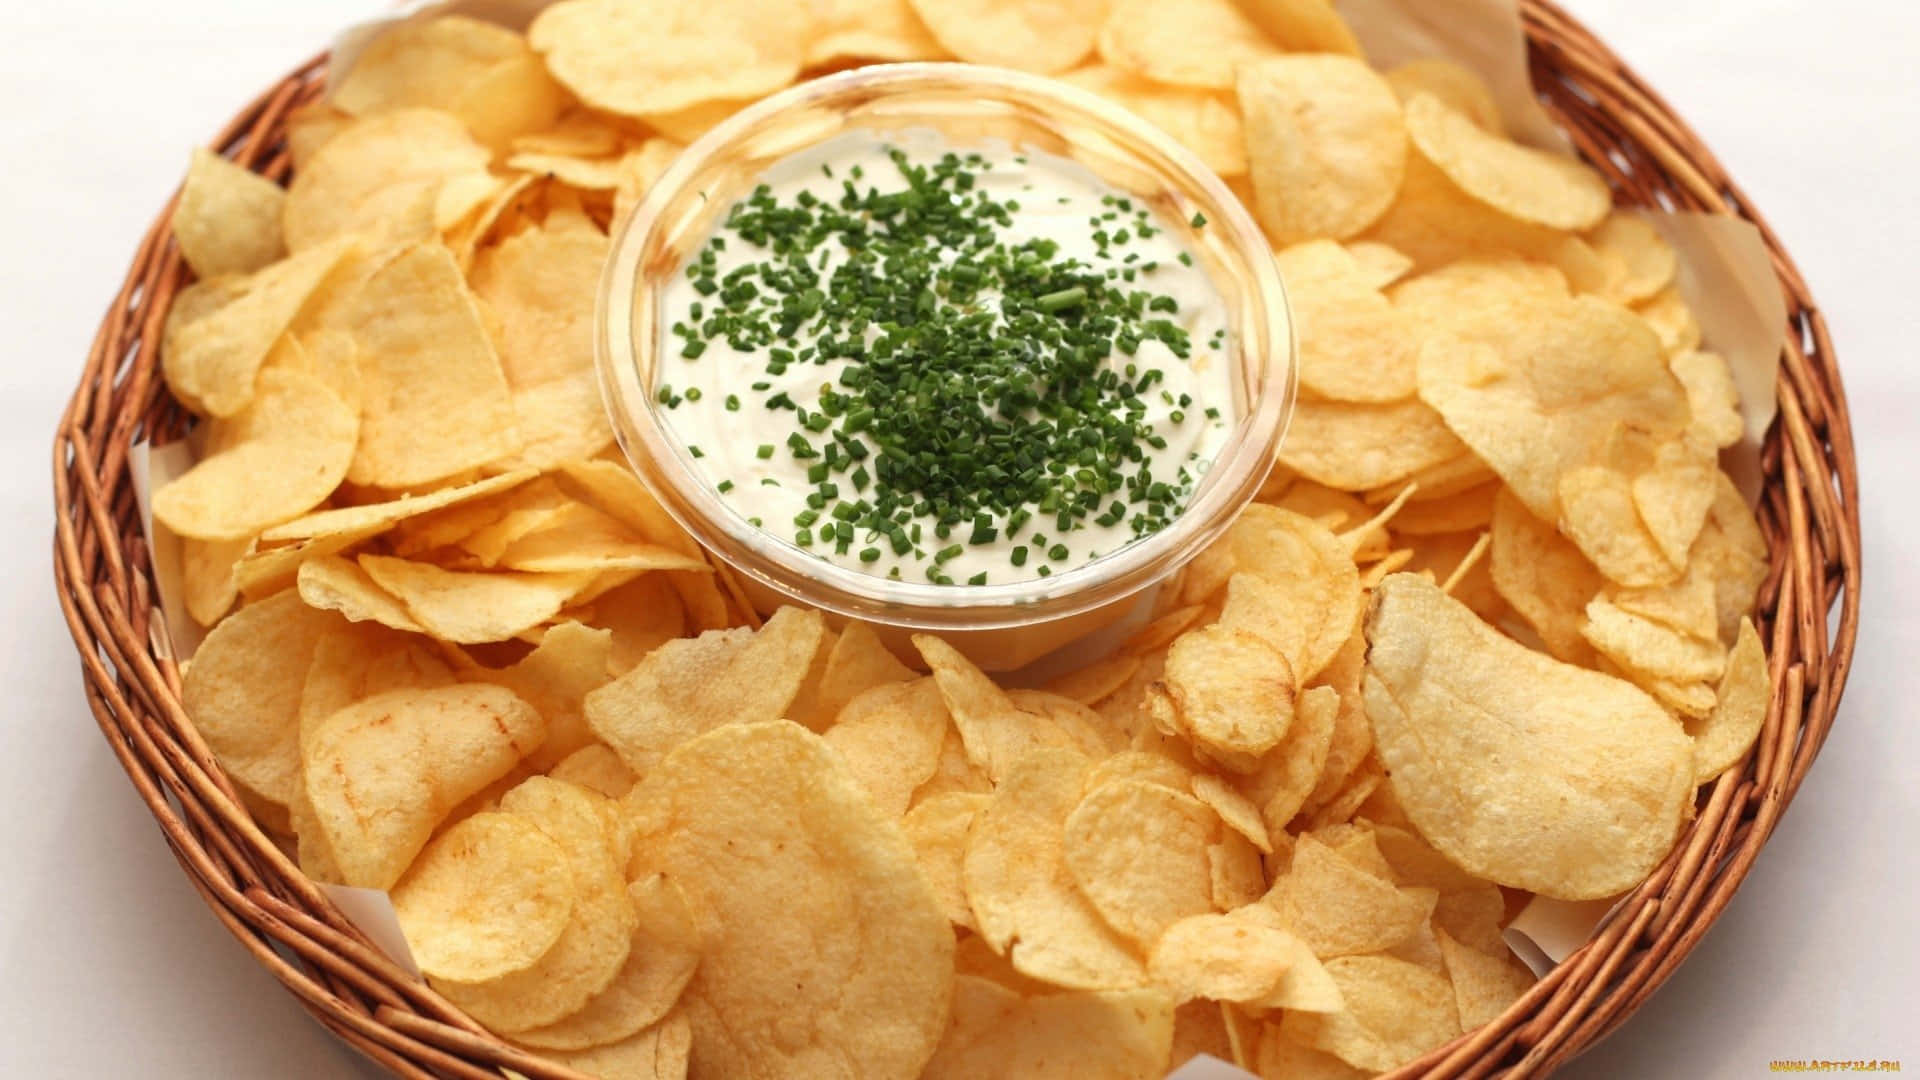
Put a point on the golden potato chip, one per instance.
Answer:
(1395, 1011)
(1354, 345)
(1221, 958)
(570, 662)
(1207, 122)
(1043, 38)
(1667, 313)
(1355, 446)
(1530, 185)
(828, 946)
(995, 730)
(470, 608)
(1163, 629)
(996, 1032)
(1138, 852)
(488, 896)
(1326, 145)
(1235, 811)
(383, 772)
(332, 583)
(869, 30)
(228, 218)
(1435, 223)
(540, 286)
(1643, 646)
(1351, 738)
(661, 1052)
(661, 961)
(690, 686)
(1337, 908)
(1200, 44)
(274, 460)
(1732, 552)
(1144, 765)
(1299, 590)
(1305, 985)
(512, 98)
(1238, 876)
(1232, 693)
(954, 772)
(592, 948)
(436, 400)
(684, 126)
(1649, 260)
(1712, 399)
(614, 488)
(597, 768)
(373, 517)
(1281, 1056)
(1022, 894)
(1457, 87)
(1544, 577)
(1508, 283)
(1478, 732)
(579, 538)
(1688, 605)
(376, 170)
(206, 576)
(1302, 26)
(656, 56)
(1539, 398)
(1739, 711)
(1288, 773)
(890, 738)
(643, 615)
(311, 126)
(1377, 264)
(937, 827)
(425, 63)
(221, 331)
(242, 692)
(1469, 509)
(1483, 985)
(1470, 909)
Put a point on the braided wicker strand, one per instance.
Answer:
(1809, 513)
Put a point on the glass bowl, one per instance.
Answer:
(967, 104)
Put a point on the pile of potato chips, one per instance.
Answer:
(1481, 636)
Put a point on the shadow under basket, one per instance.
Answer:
(1808, 613)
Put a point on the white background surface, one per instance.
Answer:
(112, 966)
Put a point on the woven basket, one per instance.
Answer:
(1809, 512)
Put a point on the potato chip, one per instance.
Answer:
(1232, 692)
(332, 583)
(220, 332)
(937, 827)
(242, 692)
(1305, 985)
(228, 218)
(1022, 894)
(1326, 145)
(1732, 552)
(311, 126)
(1478, 732)
(1302, 26)
(869, 30)
(540, 286)
(275, 460)
(1395, 1011)
(890, 738)
(436, 400)
(592, 949)
(1337, 908)
(661, 1052)
(1355, 446)
(690, 686)
(1299, 592)
(1667, 313)
(1483, 985)
(1457, 87)
(1235, 811)
(1238, 876)
(660, 962)
(1712, 399)
(1287, 774)
(954, 772)
(357, 520)
(597, 768)
(1043, 38)
(995, 1032)
(1138, 851)
(1540, 398)
(1207, 122)
(828, 946)
(488, 896)
(1221, 958)
(570, 662)
(996, 731)
(1650, 261)
(383, 772)
(1529, 185)
(639, 58)
(1544, 577)
(425, 63)
(1351, 738)
(1282, 1056)
(471, 608)
(1199, 44)
(1643, 646)
(206, 576)
(1435, 223)
(376, 170)
(1354, 345)
(1739, 711)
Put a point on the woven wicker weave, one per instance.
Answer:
(1809, 513)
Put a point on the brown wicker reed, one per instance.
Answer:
(1810, 514)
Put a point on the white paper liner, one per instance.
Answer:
(1725, 276)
